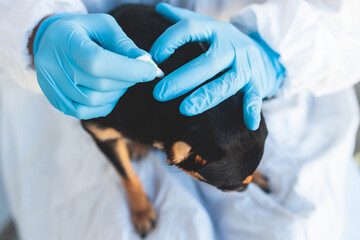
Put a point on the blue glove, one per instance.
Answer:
(251, 65)
(85, 63)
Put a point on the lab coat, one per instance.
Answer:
(60, 186)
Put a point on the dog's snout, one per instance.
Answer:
(242, 187)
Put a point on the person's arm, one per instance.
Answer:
(18, 19)
(318, 42)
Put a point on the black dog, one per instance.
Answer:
(214, 147)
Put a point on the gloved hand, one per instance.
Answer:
(85, 63)
(252, 66)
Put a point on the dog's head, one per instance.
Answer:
(215, 147)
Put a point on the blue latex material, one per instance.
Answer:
(85, 63)
(251, 66)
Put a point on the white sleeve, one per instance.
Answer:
(319, 41)
(17, 20)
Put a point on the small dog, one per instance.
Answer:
(214, 147)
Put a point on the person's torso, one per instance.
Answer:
(219, 9)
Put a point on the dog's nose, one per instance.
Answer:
(243, 187)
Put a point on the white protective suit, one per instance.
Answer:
(60, 186)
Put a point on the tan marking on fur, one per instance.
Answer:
(158, 145)
(260, 180)
(199, 177)
(143, 214)
(248, 179)
(200, 160)
(137, 150)
(195, 175)
(124, 157)
(103, 134)
(180, 151)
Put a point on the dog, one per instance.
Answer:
(214, 147)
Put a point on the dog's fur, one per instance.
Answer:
(214, 147)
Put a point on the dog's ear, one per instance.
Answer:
(180, 150)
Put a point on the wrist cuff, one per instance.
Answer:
(43, 26)
(274, 58)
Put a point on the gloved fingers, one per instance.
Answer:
(93, 98)
(192, 30)
(212, 93)
(125, 46)
(104, 29)
(99, 84)
(75, 109)
(105, 84)
(49, 88)
(113, 38)
(191, 75)
(85, 112)
(53, 94)
(102, 63)
(69, 107)
(252, 107)
(175, 14)
(82, 95)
